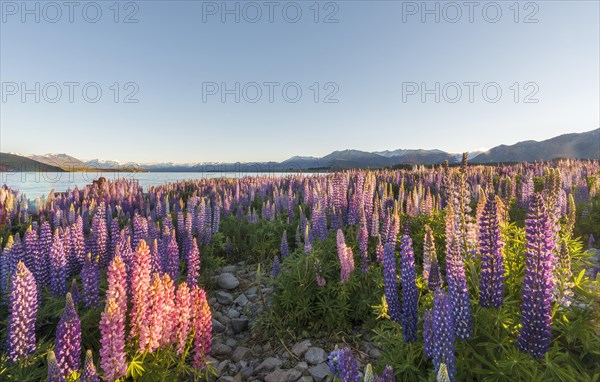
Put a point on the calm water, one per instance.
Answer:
(34, 184)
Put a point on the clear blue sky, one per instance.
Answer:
(368, 54)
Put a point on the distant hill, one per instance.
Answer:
(578, 146)
(17, 163)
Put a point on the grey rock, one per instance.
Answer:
(220, 349)
(221, 367)
(224, 298)
(374, 353)
(315, 356)
(301, 366)
(239, 324)
(230, 268)
(247, 372)
(225, 378)
(231, 342)
(232, 313)
(300, 348)
(268, 365)
(241, 300)
(241, 353)
(227, 281)
(251, 290)
(217, 326)
(280, 375)
(319, 372)
(306, 378)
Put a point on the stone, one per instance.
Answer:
(241, 353)
(221, 367)
(251, 290)
(307, 378)
(319, 372)
(224, 298)
(230, 268)
(374, 353)
(231, 342)
(315, 356)
(300, 348)
(247, 372)
(227, 281)
(241, 300)
(239, 324)
(280, 375)
(301, 366)
(220, 349)
(268, 365)
(232, 313)
(225, 378)
(217, 326)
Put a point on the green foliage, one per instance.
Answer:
(491, 354)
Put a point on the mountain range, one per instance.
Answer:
(577, 146)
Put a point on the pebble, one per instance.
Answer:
(319, 372)
(315, 356)
(280, 375)
(224, 298)
(268, 365)
(227, 281)
(239, 324)
(300, 348)
(241, 300)
(241, 353)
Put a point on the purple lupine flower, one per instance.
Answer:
(536, 332)
(275, 269)
(90, 279)
(68, 339)
(363, 244)
(564, 283)
(54, 372)
(193, 265)
(459, 294)
(89, 373)
(284, 248)
(348, 366)
(387, 375)
(491, 285)
(308, 248)
(23, 307)
(379, 249)
(409, 290)
(172, 258)
(58, 267)
(345, 256)
(333, 361)
(435, 278)
(390, 283)
(428, 252)
(428, 333)
(155, 259)
(31, 253)
(42, 264)
(100, 235)
(443, 333)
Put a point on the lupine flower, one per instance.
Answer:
(387, 375)
(156, 313)
(428, 252)
(345, 256)
(68, 339)
(23, 309)
(379, 249)
(285, 250)
(491, 285)
(58, 267)
(369, 376)
(319, 277)
(275, 268)
(409, 290)
(363, 244)
(390, 283)
(308, 248)
(172, 259)
(459, 294)
(43, 261)
(202, 326)
(443, 375)
(54, 372)
(112, 322)
(140, 286)
(89, 373)
(169, 311)
(348, 366)
(443, 333)
(435, 278)
(428, 333)
(183, 304)
(90, 278)
(536, 330)
(193, 266)
(562, 289)
(333, 361)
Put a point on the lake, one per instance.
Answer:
(34, 184)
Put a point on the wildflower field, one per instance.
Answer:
(457, 273)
